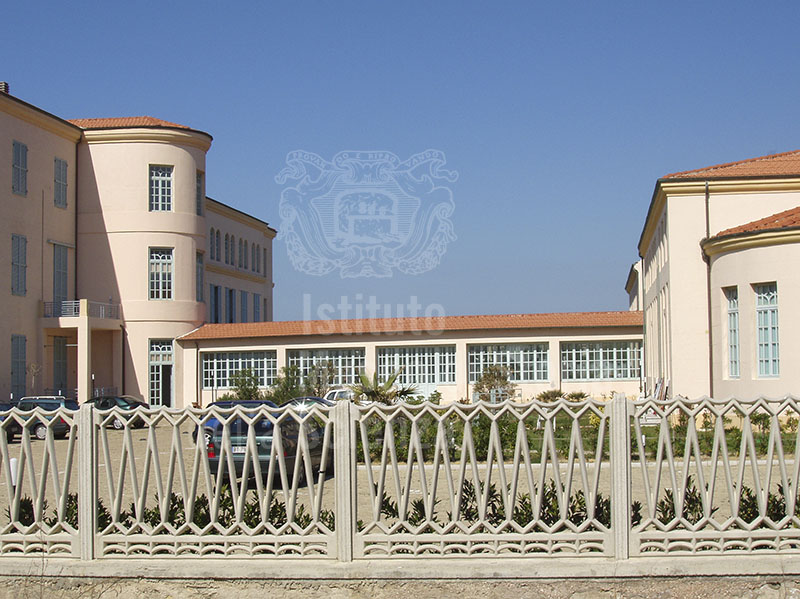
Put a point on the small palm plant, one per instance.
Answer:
(372, 390)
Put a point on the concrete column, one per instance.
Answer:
(282, 359)
(116, 360)
(370, 359)
(621, 475)
(462, 371)
(84, 353)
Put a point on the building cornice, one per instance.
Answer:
(745, 241)
(181, 137)
(237, 215)
(39, 118)
(686, 187)
(230, 272)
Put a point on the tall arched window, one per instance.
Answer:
(219, 250)
(244, 258)
(227, 249)
(253, 257)
(258, 258)
(211, 240)
(240, 254)
(233, 251)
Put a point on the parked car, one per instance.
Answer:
(48, 403)
(12, 428)
(306, 403)
(212, 431)
(338, 393)
(127, 403)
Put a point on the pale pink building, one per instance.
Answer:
(113, 256)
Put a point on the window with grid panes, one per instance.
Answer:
(160, 188)
(767, 329)
(421, 364)
(347, 363)
(732, 296)
(526, 362)
(605, 360)
(160, 273)
(220, 367)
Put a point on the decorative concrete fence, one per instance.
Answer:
(620, 479)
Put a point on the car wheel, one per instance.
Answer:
(40, 432)
(118, 424)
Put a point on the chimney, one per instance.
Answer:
(4, 87)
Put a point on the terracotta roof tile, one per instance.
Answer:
(785, 164)
(125, 122)
(787, 219)
(412, 325)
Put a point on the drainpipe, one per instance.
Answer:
(123, 338)
(707, 260)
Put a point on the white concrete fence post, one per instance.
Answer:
(621, 475)
(87, 482)
(344, 461)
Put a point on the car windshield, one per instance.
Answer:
(71, 404)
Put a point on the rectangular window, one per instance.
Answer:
(767, 327)
(19, 258)
(160, 273)
(160, 188)
(243, 299)
(19, 169)
(60, 183)
(60, 273)
(199, 269)
(230, 305)
(346, 363)
(732, 295)
(160, 360)
(256, 307)
(214, 301)
(219, 367)
(601, 361)
(525, 362)
(421, 365)
(60, 365)
(198, 207)
(18, 365)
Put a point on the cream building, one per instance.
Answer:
(718, 251)
(112, 253)
(595, 352)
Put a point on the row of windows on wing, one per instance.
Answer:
(234, 311)
(161, 188)
(19, 174)
(582, 361)
(249, 255)
(767, 341)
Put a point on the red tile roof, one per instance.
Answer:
(412, 325)
(125, 122)
(785, 164)
(788, 219)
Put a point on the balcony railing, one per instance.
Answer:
(73, 308)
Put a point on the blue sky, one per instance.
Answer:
(558, 116)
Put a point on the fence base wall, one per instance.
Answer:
(756, 576)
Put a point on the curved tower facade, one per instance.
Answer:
(141, 238)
